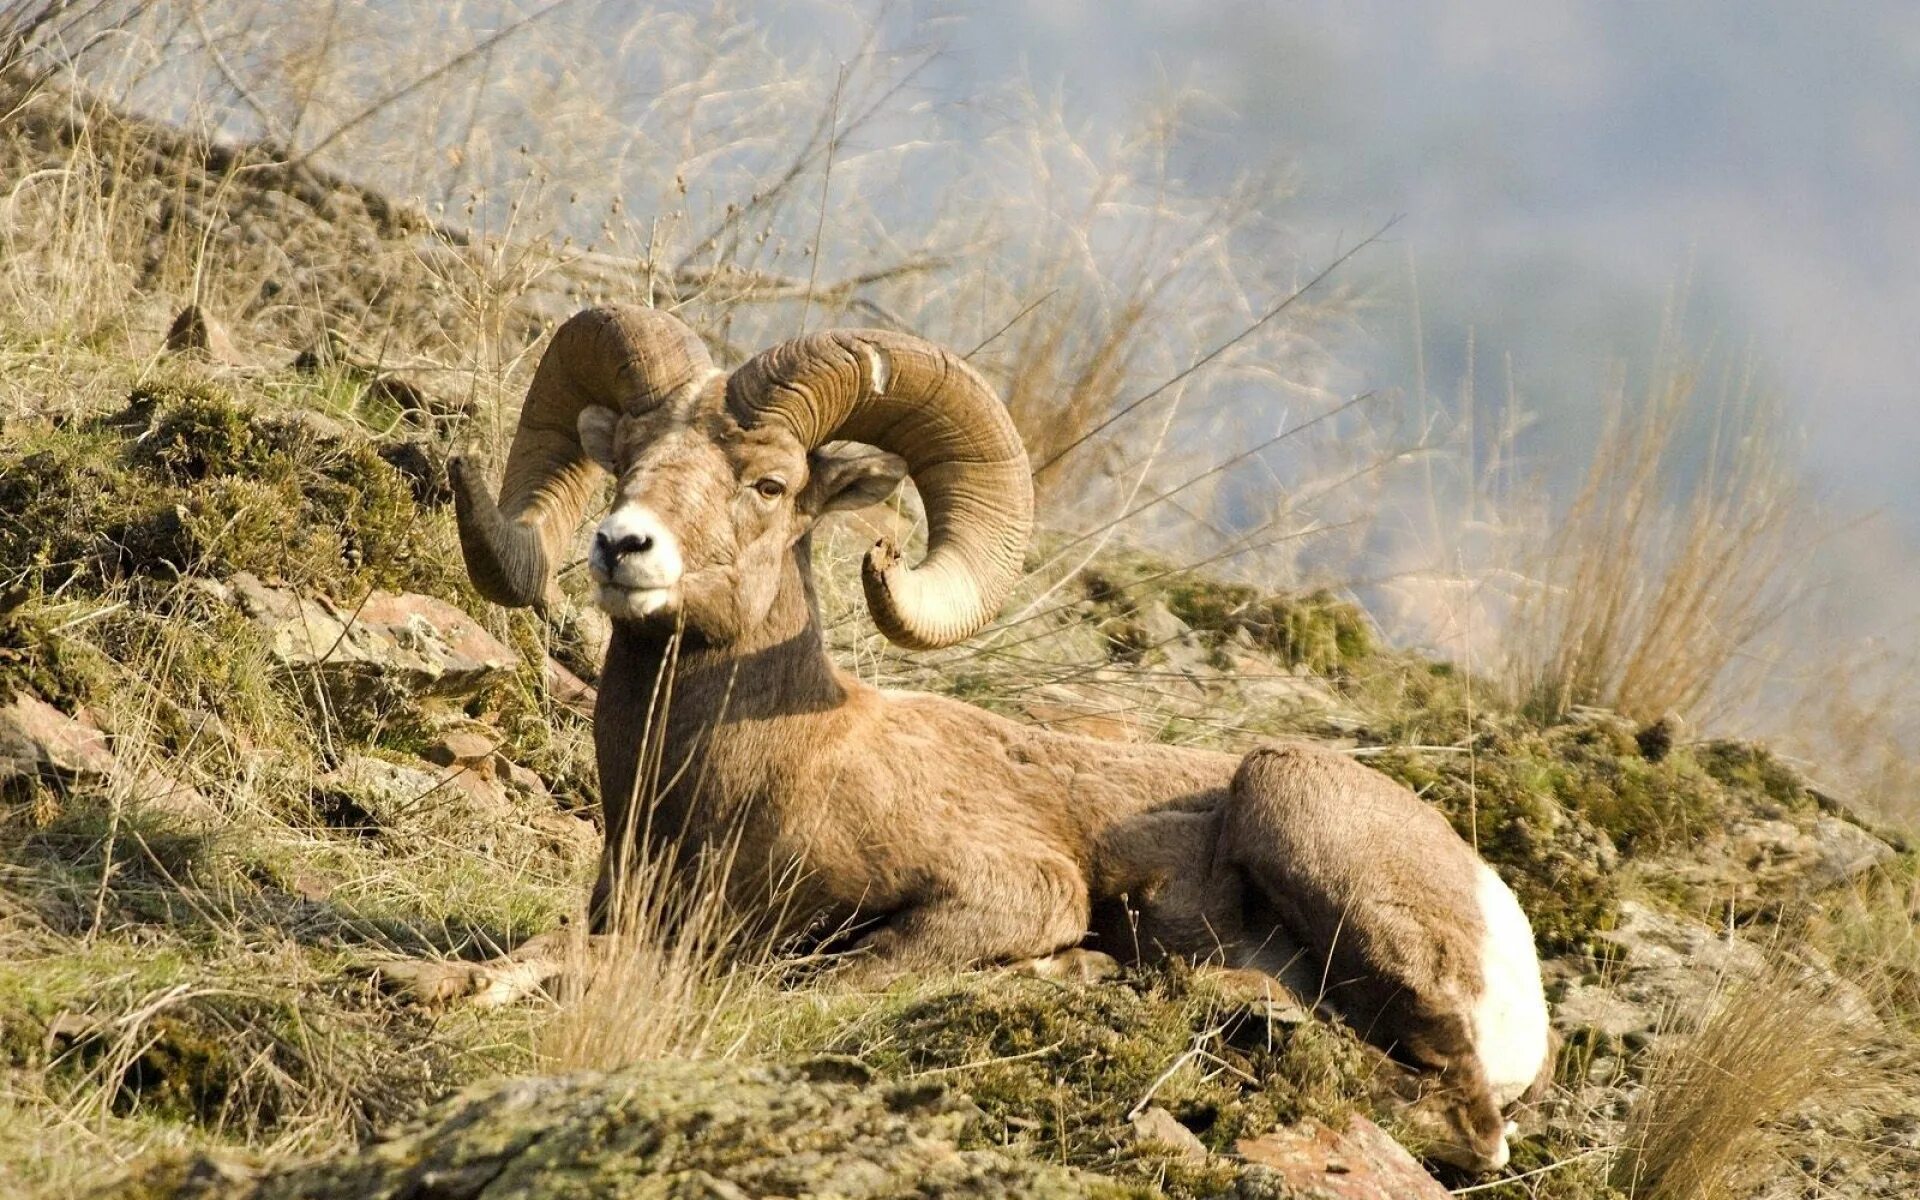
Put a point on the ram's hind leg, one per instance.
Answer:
(999, 910)
(1165, 893)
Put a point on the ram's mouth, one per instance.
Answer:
(635, 603)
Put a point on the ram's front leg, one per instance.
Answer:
(1002, 910)
(494, 983)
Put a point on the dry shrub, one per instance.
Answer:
(1672, 562)
(1855, 709)
(1774, 1044)
(662, 981)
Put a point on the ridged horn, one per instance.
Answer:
(924, 403)
(624, 358)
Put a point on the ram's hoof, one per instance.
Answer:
(427, 981)
(1072, 966)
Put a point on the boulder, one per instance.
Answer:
(467, 747)
(472, 801)
(1760, 862)
(39, 742)
(406, 642)
(195, 332)
(1155, 1126)
(1670, 975)
(659, 1130)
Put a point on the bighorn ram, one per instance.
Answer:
(956, 835)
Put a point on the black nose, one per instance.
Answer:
(612, 551)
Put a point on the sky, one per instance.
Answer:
(1561, 169)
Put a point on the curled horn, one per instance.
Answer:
(623, 358)
(924, 403)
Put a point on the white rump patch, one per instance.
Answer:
(1510, 1018)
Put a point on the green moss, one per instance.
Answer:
(1059, 1068)
(1317, 631)
(67, 501)
(190, 480)
(1643, 806)
(1753, 774)
(33, 658)
(1551, 1165)
(196, 433)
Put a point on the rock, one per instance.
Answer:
(1313, 1161)
(425, 467)
(1671, 975)
(37, 740)
(1157, 1126)
(1668, 971)
(570, 691)
(195, 332)
(1076, 966)
(1160, 627)
(1261, 995)
(520, 779)
(659, 1130)
(1271, 687)
(467, 802)
(1842, 850)
(412, 643)
(390, 792)
(1760, 862)
(463, 748)
(1070, 711)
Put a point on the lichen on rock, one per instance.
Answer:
(661, 1130)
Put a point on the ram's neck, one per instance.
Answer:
(711, 717)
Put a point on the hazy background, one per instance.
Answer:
(1561, 167)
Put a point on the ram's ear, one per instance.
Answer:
(597, 428)
(846, 476)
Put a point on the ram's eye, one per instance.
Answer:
(770, 488)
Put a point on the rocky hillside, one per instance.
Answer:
(257, 737)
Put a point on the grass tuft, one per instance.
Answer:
(1776, 1044)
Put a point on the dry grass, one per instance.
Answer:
(669, 979)
(1781, 1042)
(1673, 561)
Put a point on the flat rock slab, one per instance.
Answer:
(1764, 860)
(658, 1131)
(38, 740)
(1314, 1161)
(420, 644)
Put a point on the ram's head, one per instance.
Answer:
(720, 475)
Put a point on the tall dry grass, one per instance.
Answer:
(1780, 1042)
(1681, 551)
(668, 978)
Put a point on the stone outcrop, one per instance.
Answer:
(663, 1130)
